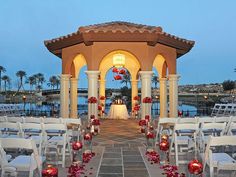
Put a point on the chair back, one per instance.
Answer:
(33, 120)
(232, 129)
(186, 126)
(222, 119)
(215, 127)
(193, 120)
(206, 119)
(52, 120)
(15, 119)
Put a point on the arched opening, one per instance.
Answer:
(132, 66)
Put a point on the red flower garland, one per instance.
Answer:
(147, 100)
(136, 108)
(136, 98)
(96, 122)
(92, 100)
(122, 71)
(117, 77)
(102, 98)
(142, 122)
(115, 70)
(99, 107)
(150, 135)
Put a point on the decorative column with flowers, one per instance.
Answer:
(146, 77)
(92, 93)
(136, 107)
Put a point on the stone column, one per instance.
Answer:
(163, 97)
(134, 87)
(92, 92)
(102, 91)
(146, 89)
(73, 98)
(64, 95)
(173, 95)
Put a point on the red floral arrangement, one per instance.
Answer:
(117, 77)
(96, 122)
(147, 100)
(102, 98)
(171, 171)
(150, 135)
(99, 107)
(147, 117)
(88, 137)
(142, 122)
(87, 156)
(50, 171)
(122, 71)
(92, 100)
(75, 170)
(92, 117)
(153, 156)
(136, 108)
(136, 98)
(115, 70)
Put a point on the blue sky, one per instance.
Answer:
(25, 24)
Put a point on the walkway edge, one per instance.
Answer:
(139, 148)
(100, 161)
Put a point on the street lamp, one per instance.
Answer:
(24, 99)
(157, 97)
(206, 98)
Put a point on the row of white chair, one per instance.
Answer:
(11, 109)
(198, 135)
(46, 120)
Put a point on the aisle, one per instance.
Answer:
(121, 157)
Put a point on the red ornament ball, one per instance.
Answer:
(150, 135)
(195, 167)
(50, 171)
(164, 145)
(77, 145)
(88, 137)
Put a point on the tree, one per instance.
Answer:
(155, 80)
(228, 85)
(2, 70)
(6, 80)
(21, 74)
(58, 82)
(31, 81)
(39, 80)
(125, 79)
(52, 82)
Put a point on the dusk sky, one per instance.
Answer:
(25, 24)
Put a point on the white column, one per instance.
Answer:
(92, 92)
(134, 87)
(146, 91)
(163, 97)
(173, 95)
(73, 97)
(102, 91)
(64, 95)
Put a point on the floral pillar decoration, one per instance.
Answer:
(92, 103)
(136, 108)
(101, 107)
(147, 101)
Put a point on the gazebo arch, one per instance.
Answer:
(100, 40)
(131, 64)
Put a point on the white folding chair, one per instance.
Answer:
(22, 162)
(207, 129)
(222, 119)
(232, 129)
(59, 139)
(183, 140)
(215, 109)
(163, 122)
(10, 130)
(72, 123)
(193, 120)
(215, 159)
(35, 132)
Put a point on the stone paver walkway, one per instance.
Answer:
(121, 157)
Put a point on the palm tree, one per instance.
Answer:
(6, 80)
(2, 70)
(39, 80)
(58, 82)
(155, 80)
(21, 75)
(125, 79)
(31, 81)
(52, 82)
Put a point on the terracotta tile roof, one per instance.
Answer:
(127, 32)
